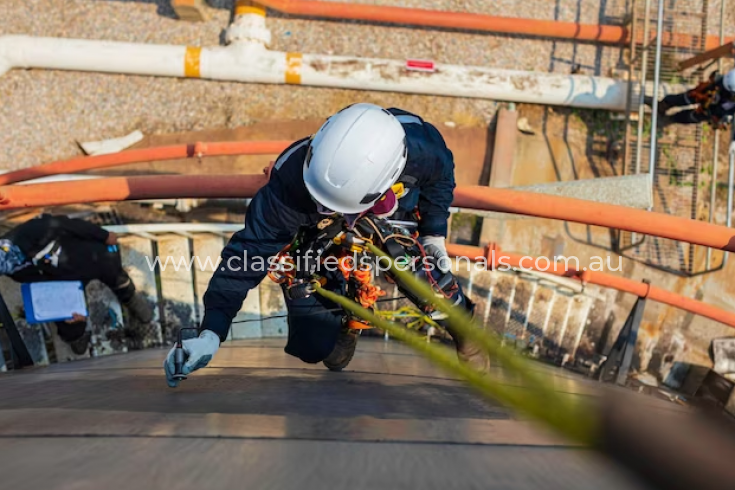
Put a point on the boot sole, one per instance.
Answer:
(337, 367)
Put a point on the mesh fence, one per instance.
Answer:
(681, 175)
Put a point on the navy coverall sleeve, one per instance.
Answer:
(270, 225)
(437, 193)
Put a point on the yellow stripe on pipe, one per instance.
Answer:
(294, 62)
(192, 62)
(243, 7)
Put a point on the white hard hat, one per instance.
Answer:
(354, 158)
(728, 81)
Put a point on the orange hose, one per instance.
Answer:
(475, 197)
(233, 186)
(599, 278)
(160, 153)
(606, 34)
(503, 200)
(454, 20)
(595, 213)
(130, 188)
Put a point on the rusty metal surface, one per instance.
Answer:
(259, 419)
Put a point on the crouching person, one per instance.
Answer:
(58, 248)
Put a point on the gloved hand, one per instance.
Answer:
(197, 354)
(435, 246)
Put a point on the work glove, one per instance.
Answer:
(197, 354)
(435, 246)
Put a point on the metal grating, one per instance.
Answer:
(679, 172)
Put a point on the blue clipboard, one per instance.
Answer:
(63, 298)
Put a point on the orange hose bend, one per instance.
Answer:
(501, 200)
(161, 153)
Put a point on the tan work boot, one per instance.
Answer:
(473, 355)
(469, 352)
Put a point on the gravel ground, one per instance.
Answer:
(44, 113)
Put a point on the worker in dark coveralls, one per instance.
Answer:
(712, 101)
(59, 248)
(347, 168)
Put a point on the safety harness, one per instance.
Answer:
(706, 96)
(300, 265)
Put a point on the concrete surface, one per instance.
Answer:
(260, 419)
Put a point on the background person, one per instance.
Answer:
(59, 248)
(713, 101)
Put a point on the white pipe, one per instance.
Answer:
(86, 55)
(465, 81)
(250, 61)
(246, 59)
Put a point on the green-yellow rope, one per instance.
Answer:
(566, 413)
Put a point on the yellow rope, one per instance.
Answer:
(419, 318)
